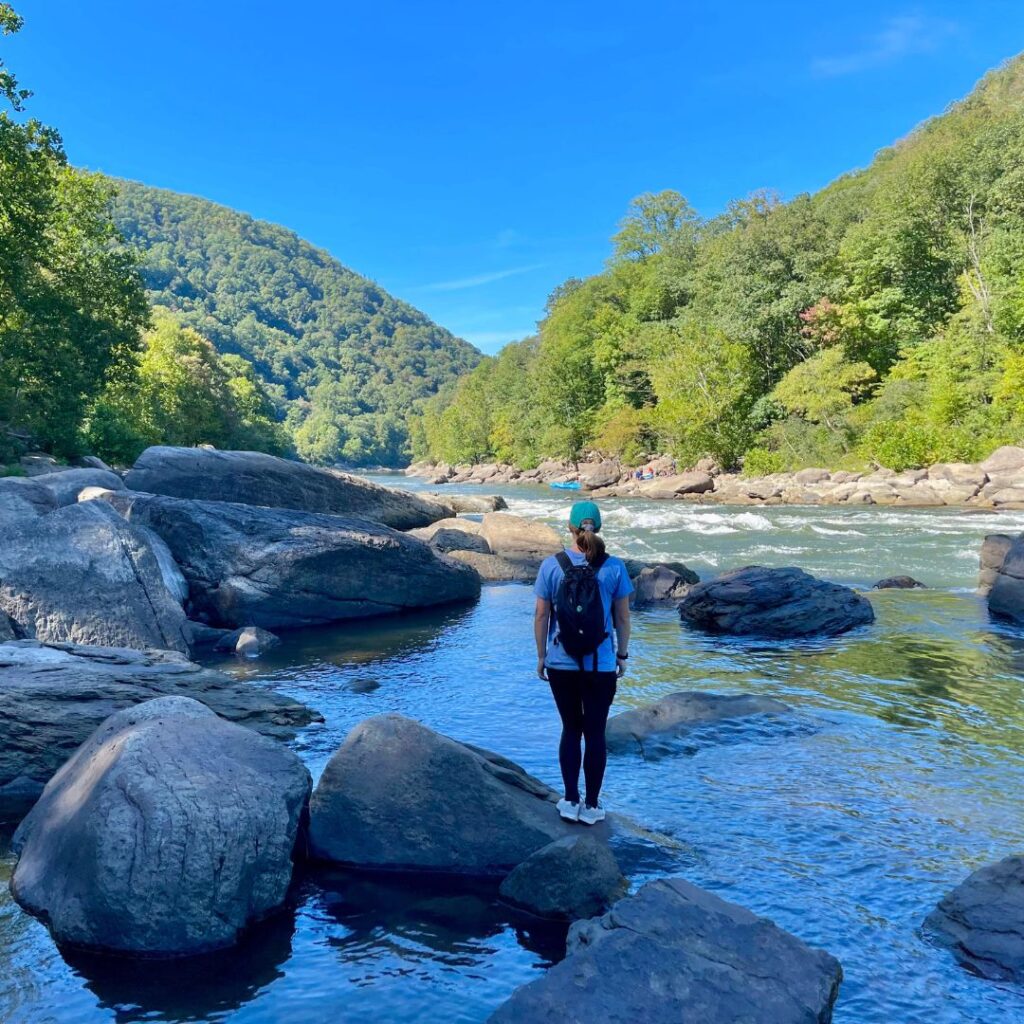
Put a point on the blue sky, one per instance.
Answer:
(471, 155)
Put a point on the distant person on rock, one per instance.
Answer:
(581, 625)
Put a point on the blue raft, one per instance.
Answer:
(566, 485)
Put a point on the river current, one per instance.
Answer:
(900, 770)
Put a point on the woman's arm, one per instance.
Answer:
(622, 630)
(541, 619)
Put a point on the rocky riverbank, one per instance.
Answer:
(997, 482)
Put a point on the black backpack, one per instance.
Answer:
(579, 610)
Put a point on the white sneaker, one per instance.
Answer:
(569, 811)
(591, 815)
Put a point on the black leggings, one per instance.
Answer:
(583, 700)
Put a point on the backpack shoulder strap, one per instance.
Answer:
(564, 561)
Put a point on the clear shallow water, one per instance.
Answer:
(900, 770)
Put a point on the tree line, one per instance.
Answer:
(878, 321)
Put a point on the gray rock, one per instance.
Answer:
(458, 540)
(758, 601)
(251, 566)
(899, 583)
(39, 464)
(253, 478)
(66, 485)
(982, 921)
(252, 641)
(507, 535)
(498, 569)
(23, 499)
(426, 533)
(52, 696)
(641, 729)
(599, 474)
(168, 832)
(961, 474)
(92, 462)
(398, 795)
(461, 504)
(1006, 460)
(1006, 598)
(84, 575)
(812, 476)
(658, 585)
(573, 877)
(635, 566)
(675, 953)
(677, 486)
(993, 553)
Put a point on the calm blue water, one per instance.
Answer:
(900, 771)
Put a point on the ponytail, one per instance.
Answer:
(589, 543)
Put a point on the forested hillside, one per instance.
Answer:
(880, 320)
(341, 357)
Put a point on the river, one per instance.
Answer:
(900, 771)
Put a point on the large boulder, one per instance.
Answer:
(253, 478)
(658, 585)
(251, 566)
(758, 601)
(168, 832)
(994, 549)
(461, 504)
(647, 729)
(635, 566)
(507, 534)
(1005, 461)
(52, 696)
(573, 877)
(66, 485)
(397, 795)
(675, 953)
(599, 474)
(23, 499)
(1006, 598)
(982, 921)
(677, 486)
(84, 575)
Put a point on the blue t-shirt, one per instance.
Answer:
(614, 581)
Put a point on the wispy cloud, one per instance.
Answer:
(902, 36)
(477, 279)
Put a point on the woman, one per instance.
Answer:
(583, 687)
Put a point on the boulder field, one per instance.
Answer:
(282, 567)
(673, 953)
(774, 603)
(996, 482)
(52, 696)
(167, 833)
(252, 478)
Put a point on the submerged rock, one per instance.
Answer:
(674, 953)
(677, 714)
(252, 566)
(52, 696)
(573, 877)
(168, 832)
(982, 921)
(993, 553)
(253, 478)
(83, 575)
(398, 795)
(757, 601)
(899, 583)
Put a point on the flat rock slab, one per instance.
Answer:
(269, 567)
(82, 574)
(774, 603)
(253, 478)
(675, 953)
(468, 503)
(498, 568)
(982, 921)
(167, 833)
(511, 535)
(52, 696)
(651, 729)
(399, 796)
